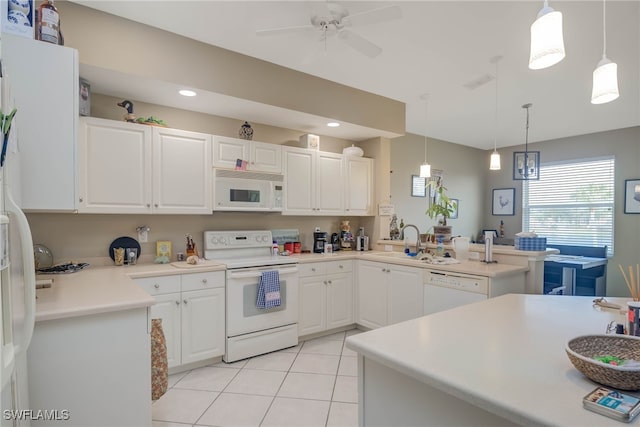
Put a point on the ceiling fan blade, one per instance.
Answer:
(359, 43)
(373, 16)
(286, 30)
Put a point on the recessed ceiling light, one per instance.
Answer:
(333, 124)
(186, 92)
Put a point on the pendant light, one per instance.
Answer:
(526, 164)
(605, 76)
(494, 163)
(425, 168)
(547, 44)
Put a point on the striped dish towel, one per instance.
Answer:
(269, 290)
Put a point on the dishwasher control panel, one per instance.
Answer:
(463, 282)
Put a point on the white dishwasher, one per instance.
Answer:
(443, 290)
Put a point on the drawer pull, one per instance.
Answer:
(204, 281)
(313, 269)
(156, 286)
(330, 282)
(341, 266)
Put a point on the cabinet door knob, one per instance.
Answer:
(313, 269)
(184, 301)
(325, 282)
(340, 266)
(156, 286)
(156, 205)
(148, 205)
(81, 199)
(204, 281)
(330, 282)
(177, 302)
(384, 270)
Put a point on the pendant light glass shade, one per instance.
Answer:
(605, 82)
(494, 164)
(605, 76)
(547, 43)
(425, 170)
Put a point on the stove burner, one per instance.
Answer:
(64, 268)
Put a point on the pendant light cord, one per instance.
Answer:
(604, 30)
(495, 123)
(426, 114)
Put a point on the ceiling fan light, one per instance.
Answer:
(605, 82)
(547, 44)
(494, 163)
(425, 170)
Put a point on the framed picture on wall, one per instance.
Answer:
(418, 186)
(504, 200)
(632, 196)
(454, 215)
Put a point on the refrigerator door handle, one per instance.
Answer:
(29, 269)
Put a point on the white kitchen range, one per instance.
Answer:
(248, 256)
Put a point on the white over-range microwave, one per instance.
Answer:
(247, 191)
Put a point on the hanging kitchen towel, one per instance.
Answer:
(269, 290)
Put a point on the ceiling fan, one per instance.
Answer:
(335, 21)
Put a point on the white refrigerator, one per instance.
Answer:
(17, 284)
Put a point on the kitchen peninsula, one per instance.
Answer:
(498, 362)
(534, 277)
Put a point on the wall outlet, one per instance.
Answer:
(143, 236)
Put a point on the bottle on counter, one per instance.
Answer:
(48, 23)
(275, 248)
(440, 247)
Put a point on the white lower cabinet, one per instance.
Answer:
(192, 309)
(388, 293)
(326, 296)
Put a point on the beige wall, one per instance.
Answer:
(464, 178)
(113, 43)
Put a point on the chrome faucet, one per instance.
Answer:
(417, 232)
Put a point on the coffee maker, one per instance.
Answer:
(319, 241)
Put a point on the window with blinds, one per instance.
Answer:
(572, 203)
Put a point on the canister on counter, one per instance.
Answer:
(297, 247)
(288, 246)
(633, 317)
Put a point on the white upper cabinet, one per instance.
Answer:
(115, 167)
(260, 156)
(359, 193)
(44, 87)
(313, 182)
(181, 172)
(133, 168)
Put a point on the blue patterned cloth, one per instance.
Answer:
(269, 290)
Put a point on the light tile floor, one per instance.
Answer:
(312, 384)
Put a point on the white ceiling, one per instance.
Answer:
(436, 48)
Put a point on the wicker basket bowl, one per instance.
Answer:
(581, 351)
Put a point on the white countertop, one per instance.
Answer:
(108, 288)
(97, 290)
(506, 355)
(466, 267)
(476, 247)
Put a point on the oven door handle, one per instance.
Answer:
(231, 274)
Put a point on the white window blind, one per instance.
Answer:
(572, 203)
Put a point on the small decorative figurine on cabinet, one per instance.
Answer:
(246, 131)
(394, 232)
(129, 117)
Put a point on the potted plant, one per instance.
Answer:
(442, 207)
